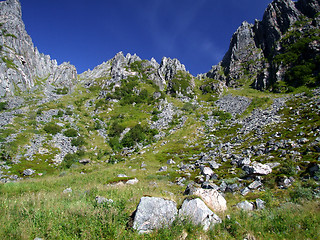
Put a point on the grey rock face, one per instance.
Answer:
(308, 7)
(241, 53)
(197, 211)
(154, 213)
(252, 44)
(278, 17)
(26, 61)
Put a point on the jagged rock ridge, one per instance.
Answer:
(21, 64)
(254, 47)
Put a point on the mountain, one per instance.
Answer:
(21, 64)
(280, 51)
(114, 152)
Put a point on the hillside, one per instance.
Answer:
(79, 153)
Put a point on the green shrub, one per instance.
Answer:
(68, 112)
(188, 107)
(301, 193)
(3, 106)
(70, 133)
(222, 116)
(52, 128)
(78, 142)
(116, 129)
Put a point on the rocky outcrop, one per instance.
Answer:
(253, 48)
(121, 67)
(21, 64)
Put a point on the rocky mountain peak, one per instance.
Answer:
(169, 67)
(21, 64)
(11, 7)
(254, 50)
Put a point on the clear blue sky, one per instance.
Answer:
(89, 32)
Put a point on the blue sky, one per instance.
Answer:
(89, 32)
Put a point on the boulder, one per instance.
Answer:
(257, 169)
(211, 197)
(206, 171)
(154, 213)
(197, 211)
(245, 205)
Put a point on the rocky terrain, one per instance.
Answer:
(135, 149)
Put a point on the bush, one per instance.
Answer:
(78, 142)
(70, 133)
(116, 129)
(52, 128)
(223, 116)
(189, 107)
(3, 106)
(301, 193)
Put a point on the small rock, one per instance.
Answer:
(214, 165)
(232, 188)
(245, 205)
(28, 172)
(132, 181)
(163, 169)
(260, 204)
(143, 165)
(67, 190)
(255, 185)
(101, 200)
(206, 171)
(84, 161)
(122, 176)
(207, 185)
(171, 162)
(245, 191)
(198, 213)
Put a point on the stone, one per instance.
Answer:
(207, 185)
(213, 199)
(255, 185)
(102, 200)
(206, 171)
(154, 213)
(67, 190)
(197, 211)
(28, 172)
(143, 165)
(260, 204)
(214, 165)
(85, 161)
(171, 162)
(313, 168)
(163, 169)
(122, 176)
(232, 188)
(132, 181)
(257, 169)
(245, 191)
(245, 205)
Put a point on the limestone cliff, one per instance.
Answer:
(21, 64)
(257, 52)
